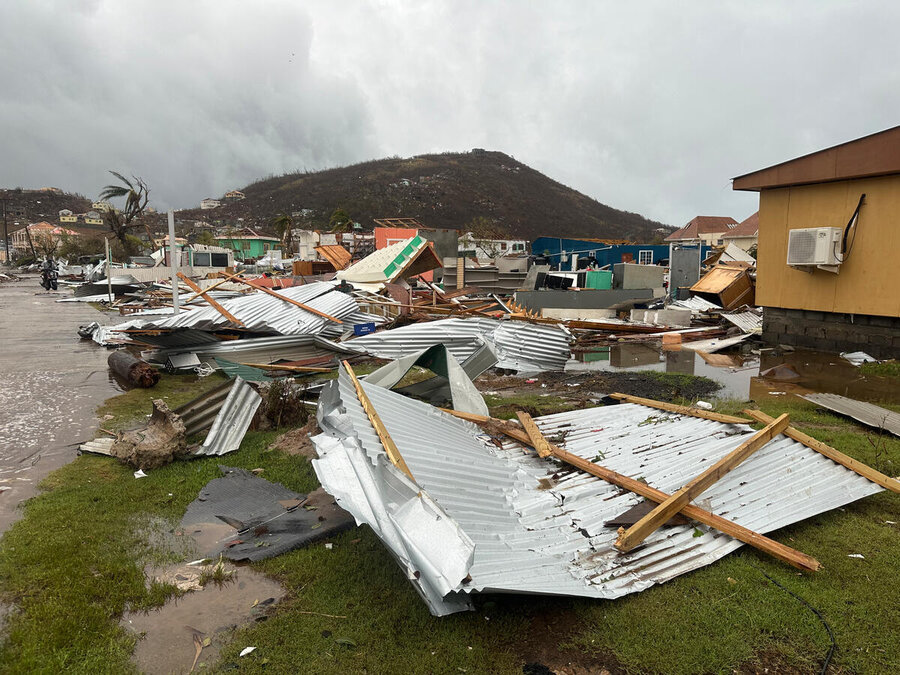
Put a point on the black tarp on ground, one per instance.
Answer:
(246, 517)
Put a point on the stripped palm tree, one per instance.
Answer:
(284, 226)
(137, 196)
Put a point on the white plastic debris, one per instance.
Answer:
(329, 546)
(704, 405)
(858, 358)
(140, 474)
(857, 555)
(246, 650)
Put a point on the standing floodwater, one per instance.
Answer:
(51, 382)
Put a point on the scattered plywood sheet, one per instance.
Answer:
(337, 255)
(867, 413)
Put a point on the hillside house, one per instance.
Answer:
(234, 196)
(39, 232)
(827, 273)
(707, 230)
(248, 244)
(210, 203)
(745, 235)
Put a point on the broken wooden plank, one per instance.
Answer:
(295, 369)
(856, 466)
(267, 291)
(390, 447)
(209, 288)
(647, 525)
(538, 442)
(758, 541)
(215, 305)
(680, 409)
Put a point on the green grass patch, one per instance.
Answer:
(884, 369)
(505, 407)
(136, 404)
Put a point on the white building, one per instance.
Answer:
(470, 245)
(210, 203)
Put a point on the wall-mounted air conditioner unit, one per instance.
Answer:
(814, 246)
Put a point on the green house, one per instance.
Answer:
(249, 244)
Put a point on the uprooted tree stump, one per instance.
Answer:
(157, 444)
(137, 372)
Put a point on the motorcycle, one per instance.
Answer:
(50, 278)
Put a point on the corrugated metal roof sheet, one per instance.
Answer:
(482, 518)
(262, 349)
(696, 304)
(231, 423)
(518, 345)
(867, 413)
(748, 322)
(263, 313)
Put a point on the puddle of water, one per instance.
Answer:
(51, 382)
(166, 635)
(739, 374)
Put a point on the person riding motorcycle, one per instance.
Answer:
(49, 274)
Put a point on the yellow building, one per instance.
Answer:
(835, 285)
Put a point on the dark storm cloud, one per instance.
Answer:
(196, 97)
(650, 107)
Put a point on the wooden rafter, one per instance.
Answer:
(681, 410)
(215, 305)
(390, 447)
(761, 542)
(863, 470)
(267, 291)
(647, 525)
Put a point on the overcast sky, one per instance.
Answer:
(646, 106)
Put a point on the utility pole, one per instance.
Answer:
(5, 201)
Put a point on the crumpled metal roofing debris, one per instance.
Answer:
(695, 303)
(232, 421)
(518, 345)
(484, 519)
(263, 313)
(748, 322)
(261, 349)
(462, 391)
(867, 413)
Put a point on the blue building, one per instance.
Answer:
(560, 252)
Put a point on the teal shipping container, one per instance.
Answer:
(598, 279)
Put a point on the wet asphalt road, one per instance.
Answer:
(51, 382)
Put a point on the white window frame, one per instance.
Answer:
(641, 257)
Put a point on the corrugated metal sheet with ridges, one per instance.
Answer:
(231, 423)
(262, 349)
(538, 527)
(263, 313)
(867, 413)
(518, 345)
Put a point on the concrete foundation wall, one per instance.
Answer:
(878, 336)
